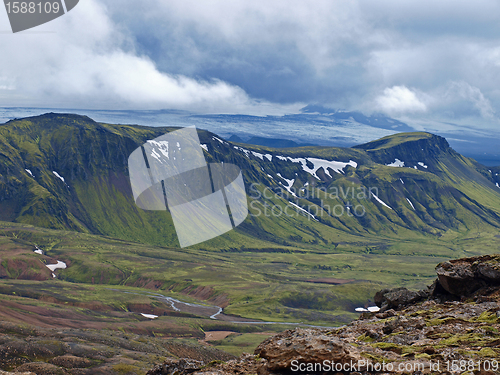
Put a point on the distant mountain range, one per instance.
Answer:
(268, 142)
(378, 121)
(69, 172)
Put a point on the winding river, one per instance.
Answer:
(210, 311)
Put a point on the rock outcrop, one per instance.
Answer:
(174, 367)
(305, 345)
(458, 280)
(397, 298)
(462, 277)
(452, 327)
(246, 364)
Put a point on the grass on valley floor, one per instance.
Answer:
(284, 284)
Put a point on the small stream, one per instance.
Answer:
(210, 311)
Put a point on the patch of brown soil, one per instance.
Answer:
(328, 280)
(207, 293)
(27, 269)
(200, 292)
(147, 283)
(199, 353)
(217, 335)
(222, 300)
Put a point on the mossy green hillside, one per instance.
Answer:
(450, 196)
(287, 283)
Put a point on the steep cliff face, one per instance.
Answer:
(413, 147)
(429, 152)
(69, 172)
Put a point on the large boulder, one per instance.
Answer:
(305, 346)
(463, 277)
(397, 298)
(183, 366)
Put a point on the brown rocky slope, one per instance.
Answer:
(452, 327)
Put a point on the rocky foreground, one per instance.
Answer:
(452, 327)
(28, 350)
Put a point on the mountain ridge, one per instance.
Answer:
(95, 195)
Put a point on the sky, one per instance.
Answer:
(419, 61)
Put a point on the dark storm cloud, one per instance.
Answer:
(419, 59)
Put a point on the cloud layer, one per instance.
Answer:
(399, 99)
(88, 61)
(419, 59)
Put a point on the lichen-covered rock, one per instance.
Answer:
(246, 364)
(181, 366)
(306, 346)
(398, 297)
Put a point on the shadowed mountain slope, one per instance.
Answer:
(69, 172)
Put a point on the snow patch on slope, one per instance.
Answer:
(162, 147)
(369, 309)
(336, 166)
(303, 210)
(261, 156)
(149, 316)
(411, 204)
(59, 176)
(244, 150)
(381, 201)
(54, 267)
(218, 139)
(396, 163)
(289, 184)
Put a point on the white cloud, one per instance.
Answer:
(397, 100)
(471, 94)
(6, 84)
(88, 62)
(220, 56)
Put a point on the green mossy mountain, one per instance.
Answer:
(441, 192)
